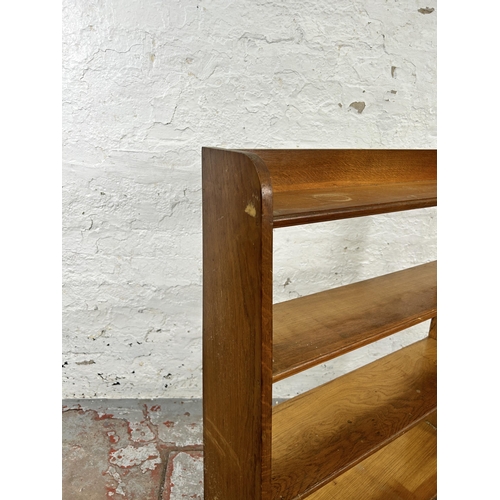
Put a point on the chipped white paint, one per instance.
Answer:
(146, 84)
(140, 432)
(147, 456)
(183, 426)
(120, 484)
(187, 477)
(183, 432)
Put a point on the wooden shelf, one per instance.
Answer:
(315, 185)
(342, 202)
(313, 329)
(319, 435)
(403, 470)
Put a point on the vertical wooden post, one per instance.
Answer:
(237, 325)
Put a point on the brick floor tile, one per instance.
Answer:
(184, 478)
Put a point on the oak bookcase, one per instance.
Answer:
(370, 434)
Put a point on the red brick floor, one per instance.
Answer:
(132, 450)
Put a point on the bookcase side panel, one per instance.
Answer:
(237, 234)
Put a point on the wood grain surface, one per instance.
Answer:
(405, 469)
(320, 434)
(433, 329)
(317, 185)
(304, 169)
(343, 202)
(315, 328)
(237, 337)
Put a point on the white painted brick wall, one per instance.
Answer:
(146, 85)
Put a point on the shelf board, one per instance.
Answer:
(403, 470)
(321, 434)
(344, 201)
(315, 328)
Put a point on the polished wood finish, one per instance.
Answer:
(321, 185)
(237, 309)
(315, 328)
(433, 329)
(252, 452)
(305, 169)
(343, 202)
(320, 434)
(403, 470)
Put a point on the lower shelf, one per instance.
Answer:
(320, 435)
(403, 470)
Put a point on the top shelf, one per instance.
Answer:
(319, 205)
(317, 185)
